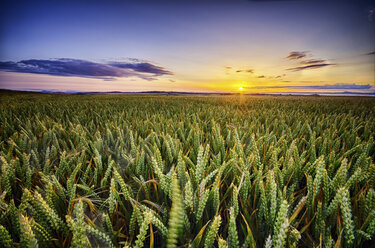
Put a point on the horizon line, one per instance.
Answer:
(43, 91)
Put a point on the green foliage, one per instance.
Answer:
(186, 171)
(176, 214)
(212, 232)
(27, 235)
(77, 225)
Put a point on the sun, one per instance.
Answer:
(241, 88)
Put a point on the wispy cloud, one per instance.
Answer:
(314, 66)
(276, 77)
(306, 64)
(296, 55)
(371, 53)
(144, 67)
(313, 61)
(84, 68)
(248, 71)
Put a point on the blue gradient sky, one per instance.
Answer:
(195, 42)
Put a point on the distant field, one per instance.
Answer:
(149, 170)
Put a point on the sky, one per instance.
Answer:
(251, 46)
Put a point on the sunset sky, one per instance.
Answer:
(201, 46)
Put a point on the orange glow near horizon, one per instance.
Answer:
(34, 82)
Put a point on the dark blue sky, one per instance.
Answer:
(193, 44)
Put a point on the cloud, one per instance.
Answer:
(84, 68)
(262, 76)
(307, 64)
(371, 53)
(144, 67)
(312, 61)
(321, 87)
(296, 55)
(278, 76)
(314, 66)
(340, 87)
(370, 14)
(248, 71)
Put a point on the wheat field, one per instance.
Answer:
(122, 170)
